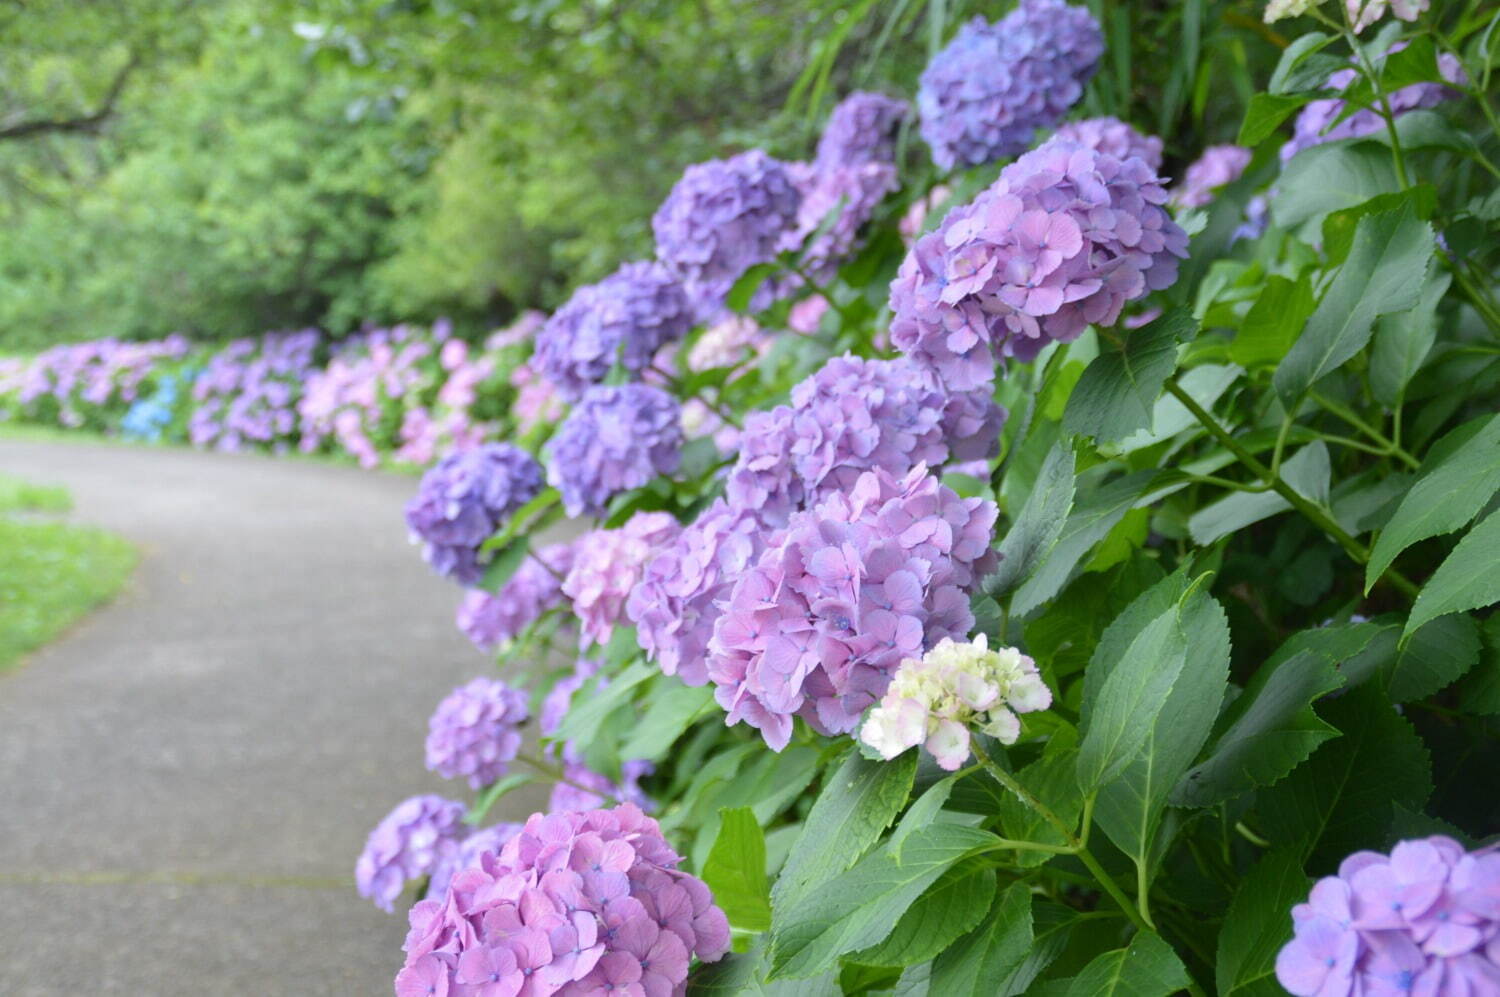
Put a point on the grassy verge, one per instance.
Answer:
(51, 573)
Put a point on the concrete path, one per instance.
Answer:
(187, 777)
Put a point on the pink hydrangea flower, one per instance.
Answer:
(606, 566)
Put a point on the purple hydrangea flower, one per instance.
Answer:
(489, 619)
(851, 416)
(475, 731)
(1113, 137)
(606, 565)
(489, 839)
(1064, 238)
(1319, 122)
(861, 129)
(850, 588)
(853, 192)
(624, 318)
(1423, 919)
(616, 438)
(247, 393)
(677, 600)
(463, 499)
(1218, 166)
(985, 95)
(723, 217)
(411, 842)
(577, 903)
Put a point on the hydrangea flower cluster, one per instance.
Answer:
(247, 393)
(854, 415)
(935, 699)
(985, 95)
(149, 417)
(413, 840)
(861, 129)
(606, 565)
(677, 600)
(576, 903)
(489, 839)
(851, 191)
(1064, 238)
(1219, 166)
(1112, 137)
(624, 318)
(727, 343)
(489, 619)
(1324, 120)
(463, 499)
(723, 217)
(841, 596)
(616, 438)
(1423, 920)
(537, 399)
(475, 731)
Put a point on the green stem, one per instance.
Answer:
(556, 774)
(1398, 156)
(1388, 446)
(1250, 835)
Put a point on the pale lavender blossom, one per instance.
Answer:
(474, 733)
(410, 842)
(616, 438)
(861, 129)
(1219, 166)
(606, 566)
(1113, 137)
(464, 499)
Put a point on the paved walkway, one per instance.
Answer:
(187, 777)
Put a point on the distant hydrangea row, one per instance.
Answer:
(463, 499)
(625, 319)
(861, 129)
(247, 392)
(412, 841)
(986, 94)
(616, 438)
(489, 619)
(474, 733)
(1112, 137)
(1424, 919)
(1064, 238)
(606, 565)
(576, 903)
(841, 596)
(723, 217)
(934, 700)
(1219, 166)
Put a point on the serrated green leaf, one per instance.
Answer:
(736, 870)
(1036, 528)
(1468, 579)
(860, 907)
(1384, 274)
(1403, 341)
(1434, 658)
(673, 709)
(857, 804)
(1117, 393)
(743, 973)
(947, 910)
(525, 520)
(591, 707)
(1273, 323)
(1308, 471)
(1330, 177)
(1147, 968)
(1480, 691)
(921, 813)
(970, 967)
(1288, 76)
(1458, 478)
(1265, 114)
(1257, 925)
(1339, 227)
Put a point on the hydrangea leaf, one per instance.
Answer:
(743, 973)
(1435, 656)
(1038, 525)
(1053, 779)
(493, 793)
(673, 709)
(736, 870)
(1480, 690)
(1273, 322)
(1117, 393)
(950, 907)
(1257, 925)
(1403, 341)
(1147, 968)
(860, 907)
(1325, 806)
(970, 967)
(505, 564)
(1298, 69)
(584, 719)
(1266, 113)
(743, 290)
(1459, 476)
(1384, 274)
(1308, 471)
(857, 804)
(1330, 177)
(1468, 579)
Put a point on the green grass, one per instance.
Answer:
(51, 572)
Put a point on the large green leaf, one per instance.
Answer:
(744, 973)
(1384, 274)
(1480, 691)
(673, 708)
(736, 870)
(1147, 968)
(1436, 656)
(1458, 478)
(1325, 806)
(861, 906)
(1273, 323)
(857, 804)
(1257, 925)
(1308, 471)
(1266, 113)
(951, 907)
(970, 967)
(583, 719)
(1117, 393)
(1331, 177)
(1036, 528)
(1053, 779)
(1403, 340)
(1468, 579)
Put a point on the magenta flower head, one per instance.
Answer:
(1219, 166)
(723, 217)
(475, 732)
(985, 95)
(861, 129)
(1424, 919)
(677, 600)
(625, 319)
(841, 596)
(463, 499)
(577, 903)
(1064, 238)
(411, 842)
(489, 619)
(606, 566)
(1113, 137)
(616, 438)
